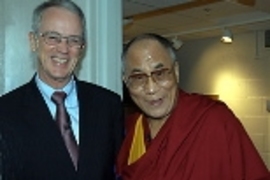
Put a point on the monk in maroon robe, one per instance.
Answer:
(177, 135)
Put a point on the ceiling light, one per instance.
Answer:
(226, 36)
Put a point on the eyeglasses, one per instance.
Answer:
(54, 38)
(160, 77)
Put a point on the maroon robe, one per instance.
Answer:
(201, 140)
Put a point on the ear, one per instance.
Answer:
(124, 79)
(83, 47)
(82, 51)
(176, 70)
(33, 41)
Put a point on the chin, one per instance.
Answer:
(157, 115)
(61, 74)
(60, 77)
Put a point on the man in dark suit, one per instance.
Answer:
(32, 145)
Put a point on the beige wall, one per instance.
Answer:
(239, 73)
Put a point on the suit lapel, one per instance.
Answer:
(42, 127)
(86, 119)
(91, 132)
(37, 113)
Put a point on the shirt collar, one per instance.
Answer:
(47, 90)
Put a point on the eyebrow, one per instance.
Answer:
(55, 32)
(157, 66)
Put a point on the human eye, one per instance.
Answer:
(75, 40)
(52, 37)
(138, 77)
(160, 74)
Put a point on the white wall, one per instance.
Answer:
(102, 64)
(239, 74)
(2, 50)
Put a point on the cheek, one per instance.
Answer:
(44, 52)
(76, 53)
(42, 57)
(172, 96)
(136, 96)
(73, 64)
(171, 91)
(75, 57)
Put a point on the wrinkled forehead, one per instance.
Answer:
(59, 19)
(147, 51)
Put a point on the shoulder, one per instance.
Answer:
(200, 102)
(96, 91)
(214, 118)
(209, 109)
(196, 100)
(18, 94)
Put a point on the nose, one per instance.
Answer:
(63, 46)
(151, 87)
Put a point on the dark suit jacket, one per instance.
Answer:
(32, 147)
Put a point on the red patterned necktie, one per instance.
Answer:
(63, 122)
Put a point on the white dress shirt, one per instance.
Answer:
(71, 102)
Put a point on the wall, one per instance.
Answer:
(2, 49)
(239, 74)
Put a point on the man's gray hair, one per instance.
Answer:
(66, 4)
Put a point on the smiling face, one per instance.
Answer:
(155, 98)
(57, 62)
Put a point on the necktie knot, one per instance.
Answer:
(59, 97)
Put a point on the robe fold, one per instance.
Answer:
(201, 140)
